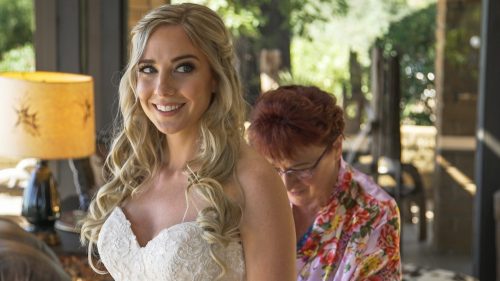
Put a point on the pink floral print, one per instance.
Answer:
(354, 237)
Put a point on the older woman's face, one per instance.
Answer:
(311, 174)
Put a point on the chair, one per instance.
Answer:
(405, 186)
(23, 257)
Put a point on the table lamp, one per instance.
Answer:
(45, 115)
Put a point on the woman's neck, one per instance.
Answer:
(312, 207)
(180, 150)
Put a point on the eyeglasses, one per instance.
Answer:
(306, 173)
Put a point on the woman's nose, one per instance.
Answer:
(165, 86)
(289, 179)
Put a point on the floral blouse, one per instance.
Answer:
(354, 237)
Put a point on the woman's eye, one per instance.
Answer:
(148, 69)
(185, 68)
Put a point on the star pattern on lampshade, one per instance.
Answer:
(27, 120)
(48, 115)
(87, 111)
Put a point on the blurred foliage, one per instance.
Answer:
(325, 32)
(240, 16)
(413, 38)
(244, 17)
(19, 59)
(322, 56)
(16, 24)
(16, 35)
(286, 78)
(461, 53)
(305, 14)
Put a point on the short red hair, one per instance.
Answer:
(294, 116)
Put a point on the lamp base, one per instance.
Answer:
(41, 201)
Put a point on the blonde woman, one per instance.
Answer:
(187, 199)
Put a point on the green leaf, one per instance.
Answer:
(19, 59)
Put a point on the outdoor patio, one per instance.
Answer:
(419, 88)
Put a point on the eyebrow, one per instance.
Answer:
(189, 56)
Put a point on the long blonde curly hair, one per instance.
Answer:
(138, 148)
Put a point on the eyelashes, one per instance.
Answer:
(147, 69)
(182, 68)
(185, 68)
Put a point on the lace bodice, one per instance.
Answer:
(176, 253)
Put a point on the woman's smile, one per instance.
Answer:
(169, 108)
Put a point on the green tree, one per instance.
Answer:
(244, 17)
(16, 24)
(413, 38)
(321, 56)
(269, 24)
(314, 36)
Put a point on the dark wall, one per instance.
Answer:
(87, 37)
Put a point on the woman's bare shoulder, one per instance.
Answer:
(267, 225)
(258, 179)
(253, 169)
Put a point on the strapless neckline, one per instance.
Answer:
(127, 222)
(178, 252)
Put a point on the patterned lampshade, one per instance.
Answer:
(46, 115)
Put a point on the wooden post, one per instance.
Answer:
(392, 110)
(270, 63)
(248, 67)
(456, 83)
(276, 31)
(391, 123)
(377, 86)
(357, 99)
(274, 43)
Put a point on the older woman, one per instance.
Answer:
(347, 227)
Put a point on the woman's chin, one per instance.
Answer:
(298, 198)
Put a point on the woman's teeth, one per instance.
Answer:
(167, 108)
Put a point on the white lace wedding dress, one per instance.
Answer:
(176, 253)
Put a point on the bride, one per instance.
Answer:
(186, 198)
